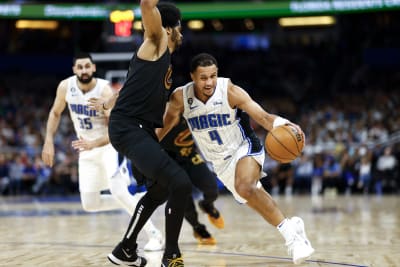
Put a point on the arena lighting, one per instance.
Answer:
(122, 21)
(37, 24)
(200, 10)
(195, 24)
(118, 16)
(137, 25)
(307, 21)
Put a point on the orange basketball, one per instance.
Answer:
(284, 143)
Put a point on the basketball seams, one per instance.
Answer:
(294, 138)
(278, 141)
(275, 157)
(279, 144)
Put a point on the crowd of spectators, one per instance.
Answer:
(352, 142)
(346, 101)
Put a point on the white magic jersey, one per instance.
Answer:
(214, 124)
(217, 131)
(88, 124)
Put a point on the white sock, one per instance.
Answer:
(286, 229)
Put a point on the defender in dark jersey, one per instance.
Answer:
(137, 112)
(180, 145)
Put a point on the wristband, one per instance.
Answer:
(279, 121)
(104, 106)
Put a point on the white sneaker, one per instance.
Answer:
(300, 247)
(156, 243)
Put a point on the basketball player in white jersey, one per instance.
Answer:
(98, 160)
(216, 111)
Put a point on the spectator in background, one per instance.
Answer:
(283, 179)
(43, 177)
(303, 173)
(4, 174)
(16, 172)
(386, 172)
(29, 174)
(365, 174)
(332, 176)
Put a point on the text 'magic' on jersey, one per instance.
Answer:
(209, 121)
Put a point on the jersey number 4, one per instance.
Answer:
(214, 135)
(85, 123)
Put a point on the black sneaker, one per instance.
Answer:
(213, 214)
(124, 256)
(203, 236)
(174, 262)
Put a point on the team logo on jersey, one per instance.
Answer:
(73, 91)
(184, 139)
(190, 102)
(168, 78)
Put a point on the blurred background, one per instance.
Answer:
(332, 66)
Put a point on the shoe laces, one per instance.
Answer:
(175, 262)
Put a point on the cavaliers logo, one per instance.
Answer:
(184, 139)
(168, 78)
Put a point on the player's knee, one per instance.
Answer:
(90, 203)
(118, 190)
(181, 184)
(211, 195)
(245, 189)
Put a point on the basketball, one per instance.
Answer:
(284, 143)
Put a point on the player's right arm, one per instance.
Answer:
(155, 37)
(172, 114)
(53, 122)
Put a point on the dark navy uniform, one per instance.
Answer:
(137, 112)
(180, 146)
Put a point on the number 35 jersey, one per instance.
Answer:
(215, 126)
(89, 124)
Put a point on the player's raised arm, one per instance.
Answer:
(173, 112)
(151, 19)
(155, 36)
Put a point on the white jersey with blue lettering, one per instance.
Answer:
(88, 124)
(96, 166)
(214, 124)
(217, 130)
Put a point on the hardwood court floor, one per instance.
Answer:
(345, 231)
